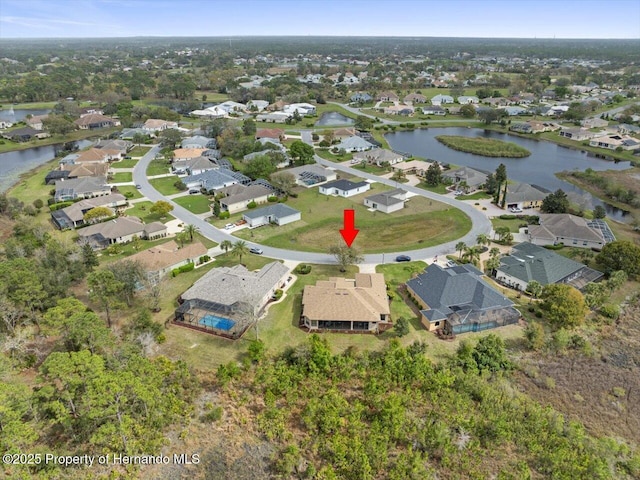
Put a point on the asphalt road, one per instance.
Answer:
(480, 223)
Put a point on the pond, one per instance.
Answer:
(538, 169)
(8, 114)
(13, 164)
(334, 118)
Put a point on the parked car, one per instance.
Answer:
(138, 186)
(515, 210)
(256, 250)
(451, 263)
(403, 258)
(193, 191)
(229, 226)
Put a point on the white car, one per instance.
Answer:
(229, 226)
(515, 210)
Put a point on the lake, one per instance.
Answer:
(334, 118)
(7, 115)
(13, 164)
(538, 169)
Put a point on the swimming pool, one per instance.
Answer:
(220, 323)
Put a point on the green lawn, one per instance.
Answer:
(127, 163)
(142, 211)
(373, 169)
(422, 223)
(327, 155)
(194, 203)
(165, 185)
(157, 167)
(138, 151)
(122, 177)
(441, 188)
(131, 190)
(31, 185)
(514, 224)
(475, 196)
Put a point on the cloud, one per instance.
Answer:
(48, 23)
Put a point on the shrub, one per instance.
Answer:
(128, 195)
(272, 199)
(38, 203)
(180, 186)
(57, 206)
(508, 217)
(175, 272)
(277, 295)
(610, 310)
(204, 259)
(213, 415)
(303, 269)
(251, 205)
(186, 268)
(554, 247)
(224, 215)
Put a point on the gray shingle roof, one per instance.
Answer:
(236, 285)
(448, 290)
(530, 262)
(390, 197)
(278, 210)
(523, 192)
(344, 184)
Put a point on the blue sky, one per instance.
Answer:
(435, 18)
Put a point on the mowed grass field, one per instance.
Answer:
(422, 223)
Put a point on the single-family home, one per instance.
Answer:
(94, 121)
(388, 97)
(613, 142)
(312, 174)
(274, 134)
(434, 110)
(514, 110)
(468, 99)
(388, 201)
(302, 109)
(121, 146)
(412, 167)
(354, 144)
(555, 228)
(520, 195)
(153, 125)
(577, 134)
(130, 133)
(594, 122)
(360, 304)
(344, 132)
(228, 300)
(120, 230)
(277, 213)
(378, 156)
(85, 187)
(36, 121)
(273, 117)
(210, 112)
(73, 215)
(414, 98)
(54, 175)
(159, 260)
(344, 188)
(97, 155)
(441, 99)
(458, 300)
(239, 201)
(23, 134)
(198, 141)
(187, 153)
(86, 170)
(193, 166)
(403, 110)
(232, 107)
(626, 128)
(466, 176)
(360, 97)
(215, 179)
(257, 105)
(527, 262)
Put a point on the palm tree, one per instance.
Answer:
(190, 230)
(482, 239)
(240, 249)
(494, 252)
(460, 246)
(472, 254)
(226, 245)
(534, 288)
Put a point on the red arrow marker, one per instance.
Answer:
(349, 232)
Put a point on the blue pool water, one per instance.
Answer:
(220, 323)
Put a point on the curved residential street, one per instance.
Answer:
(480, 223)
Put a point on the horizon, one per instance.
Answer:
(541, 19)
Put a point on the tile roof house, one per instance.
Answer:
(354, 144)
(414, 167)
(159, 260)
(87, 170)
(73, 215)
(97, 155)
(193, 166)
(388, 97)
(414, 98)
(272, 133)
(231, 291)
(96, 120)
(344, 188)
(522, 195)
(155, 125)
(347, 305)
(277, 213)
(120, 230)
(187, 153)
(528, 262)
(36, 121)
(344, 132)
(85, 187)
(239, 201)
(474, 179)
(567, 229)
(388, 201)
(122, 146)
(459, 300)
(379, 156)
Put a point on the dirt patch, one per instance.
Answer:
(602, 391)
